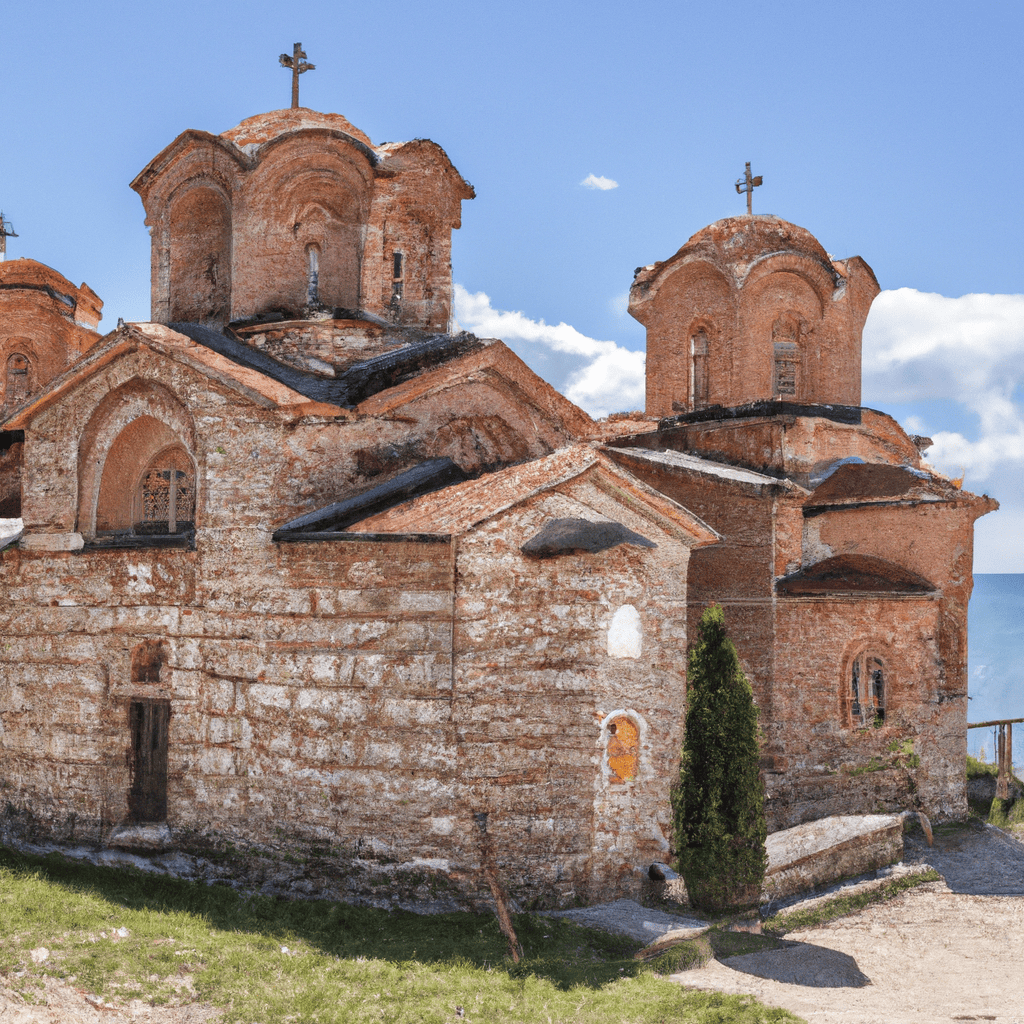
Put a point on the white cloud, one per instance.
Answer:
(599, 376)
(597, 181)
(968, 352)
(619, 304)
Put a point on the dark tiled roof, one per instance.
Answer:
(853, 574)
(358, 382)
(428, 476)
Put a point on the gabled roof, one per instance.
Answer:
(358, 381)
(457, 509)
(491, 360)
(256, 386)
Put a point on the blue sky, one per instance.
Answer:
(891, 131)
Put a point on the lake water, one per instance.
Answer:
(995, 637)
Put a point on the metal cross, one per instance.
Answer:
(299, 65)
(6, 231)
(748, 184)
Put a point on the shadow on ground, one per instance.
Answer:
(564, 954)
(800, 963)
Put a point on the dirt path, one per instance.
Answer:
(927, 957)
(951, 950)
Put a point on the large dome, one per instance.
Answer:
(261, 128)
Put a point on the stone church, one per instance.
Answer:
(303, 571)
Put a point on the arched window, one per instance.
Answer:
(865, 691)
(18, 382)
(166, 497)
(312, 275)
(786, 351)
(699, 369)
(623, 748)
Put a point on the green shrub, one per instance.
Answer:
(718, 806)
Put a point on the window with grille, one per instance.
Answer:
(167, 494)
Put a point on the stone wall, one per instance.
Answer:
(317, 697)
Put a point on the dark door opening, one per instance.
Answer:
(147, 796)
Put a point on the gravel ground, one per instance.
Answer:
(950, 950)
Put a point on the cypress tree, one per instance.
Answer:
(718, 806)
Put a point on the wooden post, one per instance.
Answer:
(1003, 776)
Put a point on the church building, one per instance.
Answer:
(304, 572)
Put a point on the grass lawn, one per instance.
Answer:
(126, 935)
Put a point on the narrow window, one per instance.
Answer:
(19, 380)
(623, 749)
(786, 352)
(699, 369)
(865, 695)
(397, 277)
(147, 796)
(312, 275)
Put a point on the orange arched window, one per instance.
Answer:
(623, 748)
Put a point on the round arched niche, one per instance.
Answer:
(135, 427)
(200, 255)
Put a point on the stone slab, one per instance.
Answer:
(819, 852)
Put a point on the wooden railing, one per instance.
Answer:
(1004, 751)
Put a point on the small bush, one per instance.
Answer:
(718, 806)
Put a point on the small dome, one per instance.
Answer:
(740, 239)
(262, 128)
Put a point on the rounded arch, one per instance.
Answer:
(623, 739)
(18, 379)
(130, 427)
(307, 190)
(199, 253)
(865, 691)
(813, 273)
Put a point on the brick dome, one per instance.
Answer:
(743, 239)
(261, 128)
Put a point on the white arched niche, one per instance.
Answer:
(625, 634)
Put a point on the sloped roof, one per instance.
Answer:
(457, 509)
(853, 574)
(706, 467)
(858, 480)
(358, 381)
(258, 387)
(490, 360)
